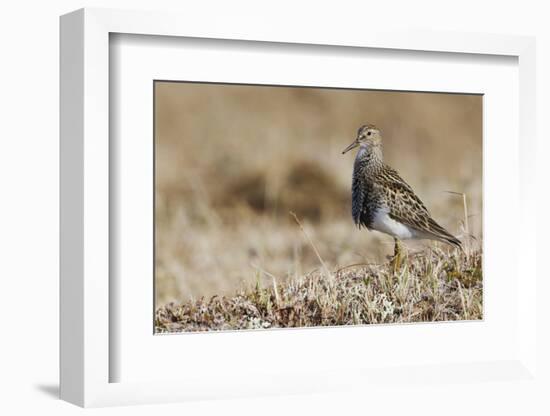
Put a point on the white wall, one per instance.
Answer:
(29, 56)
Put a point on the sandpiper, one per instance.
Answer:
(383, 201)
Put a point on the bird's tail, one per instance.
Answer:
(453, 241)
(443, 235)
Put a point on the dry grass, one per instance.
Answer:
(232, 161)
(436, 285)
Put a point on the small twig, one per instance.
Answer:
(466, 222)
(274, 281)
(310, 242)
(349, 266)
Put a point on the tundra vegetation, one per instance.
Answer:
(233, 161)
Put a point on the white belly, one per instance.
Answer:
(383, 223)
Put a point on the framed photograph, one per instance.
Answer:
(321, 212)
(255, 207)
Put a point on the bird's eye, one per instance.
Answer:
(368, 134)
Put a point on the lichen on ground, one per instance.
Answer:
(434, 285)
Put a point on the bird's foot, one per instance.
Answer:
(397, 260)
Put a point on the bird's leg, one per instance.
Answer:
(397, 255)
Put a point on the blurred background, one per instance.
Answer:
(233, 160)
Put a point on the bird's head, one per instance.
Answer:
(368, 136)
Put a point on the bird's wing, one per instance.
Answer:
(402, 202)
(407, 208)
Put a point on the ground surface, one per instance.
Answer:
(436, 285)
(232, 161)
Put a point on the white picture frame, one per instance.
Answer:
(87, 302)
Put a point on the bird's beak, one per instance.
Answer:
(351, 146)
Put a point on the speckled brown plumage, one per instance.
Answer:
(380, 195)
